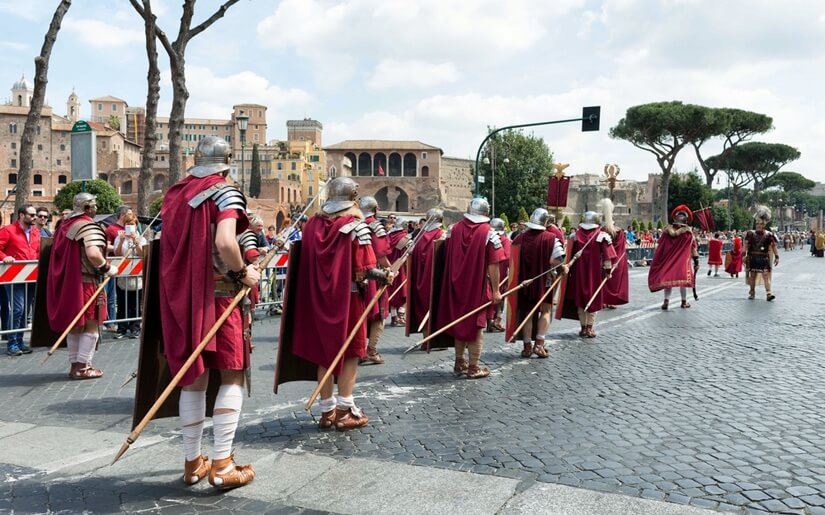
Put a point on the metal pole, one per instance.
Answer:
(243, 172)
(493, 173)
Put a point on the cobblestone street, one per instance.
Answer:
(719, 406)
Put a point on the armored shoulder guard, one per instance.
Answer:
(494, 238)
(225, 197)
(403, 242)
(247, 240)
(603, 236)
(89, 232)
(363, 234)
(377, 228)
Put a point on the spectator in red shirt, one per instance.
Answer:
(111, 233)
(19, 241)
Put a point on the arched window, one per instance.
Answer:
(353, 161)
(410, 165)
(394, 165)
(364, 164)
(158, 182)
(126, 188)
(425, 171)
(19, 100)
(332, 171)
(379, 164)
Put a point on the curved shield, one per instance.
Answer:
(566, 307)
(42, 334)
(443, 340)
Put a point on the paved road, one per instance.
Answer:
(718, 406)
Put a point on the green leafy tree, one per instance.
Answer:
(734, 126)
(635, 225)
(255, 174)
(690, 190)
(790, 182)
(522, 215)
(567, 224)
(659, 224)
(503, 216)
(107, 198)
(663, 129)
(114, 122)
(759, 162)
(522, 180)
(650, 226)
(154, 207)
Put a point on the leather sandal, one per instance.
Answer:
(87, 372)
(590, 332)
(583, 331)
(195, 470)
(771, 296)
(540, 350)
(497, 325)
(460, 366)
(372, 358)
(328, 419)
(527, 351)
(664, 304)
(238, 475)
(349, 418)
(685, 304)
(477, 372)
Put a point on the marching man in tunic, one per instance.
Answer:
(420, 270)
(671, 262)
(201, 270)
(715, 254)
(78, 266)
(494, 313)
(759, 245)
(472, 255)
(381, 249)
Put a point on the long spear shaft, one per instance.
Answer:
(398, 289)
(121, 266)
(604, 281)
(535, 308)
(427, 315)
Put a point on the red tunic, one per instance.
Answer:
(380, 248)
(188, 306)
(671, 265)
(421, 262)
(400, 298)
(66, 292)
(464, 285)
(503, 268)
(616, 289)
(586, 274)
(735, 265)
(714, 252)
(535, 253)
(325, 307)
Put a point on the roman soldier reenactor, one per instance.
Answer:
(398, 239)
(671, 261)
(381, 248)
(201, 269)
(715, 254)
(759, 245)
(538, 249)
(420, 272)
(328, 270)
(494, 313)
(617, 289)
(469, 278)
(76, 269)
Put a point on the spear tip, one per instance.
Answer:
(123, 449)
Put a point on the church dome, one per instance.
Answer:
(73, 96)
(21, 84)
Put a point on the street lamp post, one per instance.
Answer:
(590, 122)
(493, 179)
(243, 122)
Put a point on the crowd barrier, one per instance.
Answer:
(636, 253)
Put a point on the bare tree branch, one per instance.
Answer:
(212, 19)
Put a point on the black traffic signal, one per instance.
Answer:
(590, 118)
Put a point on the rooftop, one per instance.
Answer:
(379, 144)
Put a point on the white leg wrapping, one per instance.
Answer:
(73, 343)
(86, 348)
(192, 407)
(668, 292)
(230, 397)
(683, 292)
(346, 402)
(328, 405)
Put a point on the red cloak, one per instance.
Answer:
(464, 285)
(187, 285)
(400, 298)
(380, 248)
(616, 289)
(735, 265)
(671, 265)
(64, 292)
(420, 266)
(325, 308)
(536, 251)
(586, 274)
(714, 251)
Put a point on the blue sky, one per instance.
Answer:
(441, 71)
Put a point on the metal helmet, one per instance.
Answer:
(342, 194)
(590, 220)
(81, 201)
(497, 224)
(539, 219)
(212, 155)
(478, 210)
(434, 218)
(368, 205)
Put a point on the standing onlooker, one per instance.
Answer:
(43, 219)
(271, 235)
(129, 243)
(111, 233)
(257, 227)
(19, 241)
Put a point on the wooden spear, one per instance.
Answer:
(604, 281)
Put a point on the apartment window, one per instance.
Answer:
(260, 114)
(62, 147)
(62, 179)
(255, 137)
(314, 159)
(103, 144)
(59, 162)
(332, 171)
(100, 107)
(162, 158)
(39, 146)
(12, 128)
(280, 166)
(38, 130)
(13, 145)
(14, 165)
(12, 178)
(423, 155)
(294, 165)
(126, 188)
(114, 108)
(37, 193)
(38, 179)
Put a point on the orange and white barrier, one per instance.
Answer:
(20, 272)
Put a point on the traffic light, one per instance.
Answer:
(590, 118)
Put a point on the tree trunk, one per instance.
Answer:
(41, 74)
(176, 116)
(152, 97)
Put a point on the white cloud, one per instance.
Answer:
(28, 10)
(98, 33)
(393, 74)
(13, 45)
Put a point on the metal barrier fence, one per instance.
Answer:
(273, 281)
(644, 250)
(17, 292)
